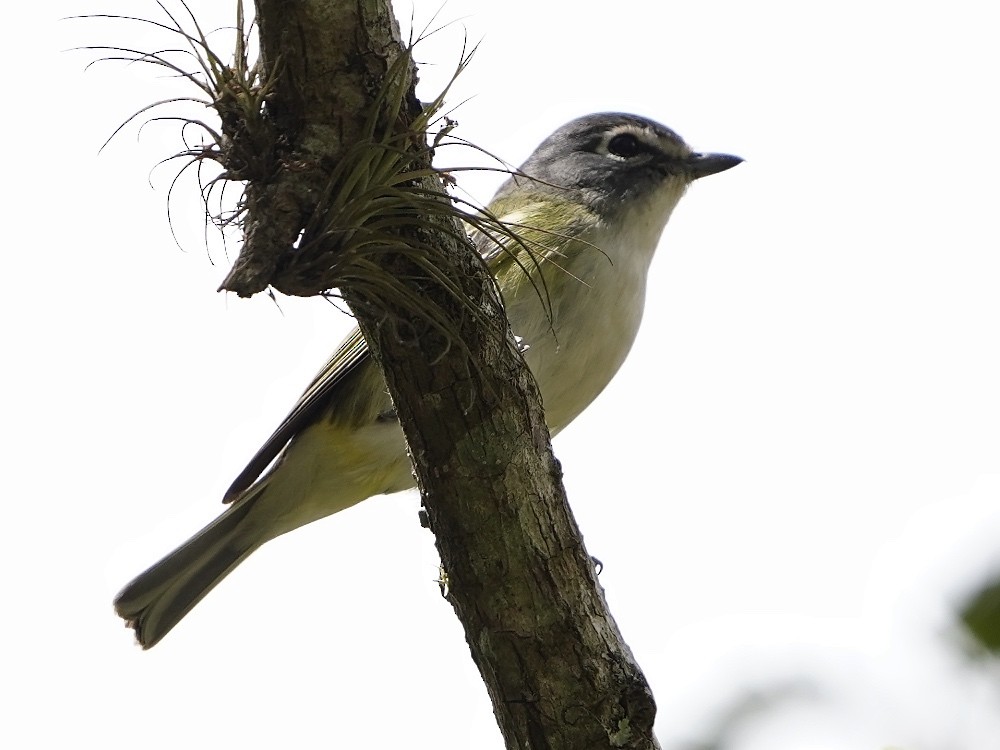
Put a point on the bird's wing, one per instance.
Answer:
(351, 354)
(348, 356)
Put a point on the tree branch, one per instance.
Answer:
(518, 576)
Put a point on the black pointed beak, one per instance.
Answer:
(702, 165)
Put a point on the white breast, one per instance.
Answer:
(596, 313)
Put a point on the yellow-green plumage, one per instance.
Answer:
(573, 289)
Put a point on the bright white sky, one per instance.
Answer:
(795, 473)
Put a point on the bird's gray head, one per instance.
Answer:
(609, 159)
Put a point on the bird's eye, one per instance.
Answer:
(625, 145)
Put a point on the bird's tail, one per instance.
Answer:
(156, 600)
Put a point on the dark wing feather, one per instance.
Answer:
(348, 356)
(351, 354)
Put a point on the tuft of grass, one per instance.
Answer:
(381, 196)
(238, 137)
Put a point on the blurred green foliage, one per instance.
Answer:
(981, 615)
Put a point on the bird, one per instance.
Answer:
(595, 196)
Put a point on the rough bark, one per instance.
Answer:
(329, 59)
(518, 575)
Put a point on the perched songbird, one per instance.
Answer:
(594, 197)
